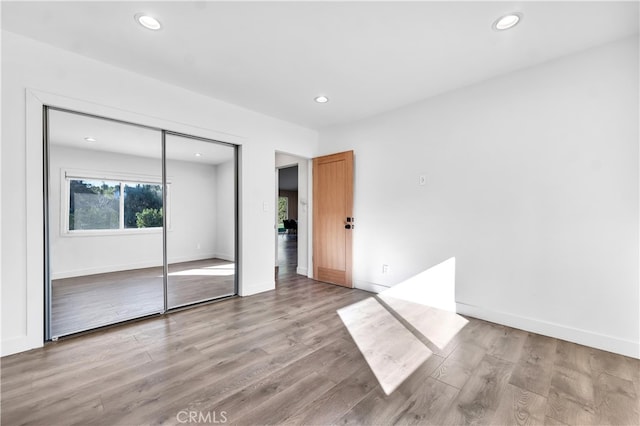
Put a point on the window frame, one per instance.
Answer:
(67, 175)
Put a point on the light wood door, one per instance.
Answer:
(333, 218)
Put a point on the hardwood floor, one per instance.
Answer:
(284, 357)
(87, 302)
(288, 251)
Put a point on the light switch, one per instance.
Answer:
(265, 206)
(423, 180)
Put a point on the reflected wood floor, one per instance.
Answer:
(91, 301)
(284, 357)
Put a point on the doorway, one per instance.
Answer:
(292, 214)
(139, 221)
(288, 218)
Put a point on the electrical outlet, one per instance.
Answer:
(385, 269)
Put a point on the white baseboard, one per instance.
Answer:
(13, 345)
(369, 286)
(225, 256)
(192, 257)
(301, 271)
(103, 270)
(583, 337)
(130, 266)
(250, 290)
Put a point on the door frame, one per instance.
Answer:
(305, 232)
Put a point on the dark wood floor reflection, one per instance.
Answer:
(91, 301)
(287, 252)
(284, 356)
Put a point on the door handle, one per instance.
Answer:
(349, 223)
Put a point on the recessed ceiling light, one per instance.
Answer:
(90, 139)
(148, 21)
(507, 21)
(321, 99)
(197, 154)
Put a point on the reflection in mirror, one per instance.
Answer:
(201, 234)
(105, 222)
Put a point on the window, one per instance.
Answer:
(96, 204)
(283, 211)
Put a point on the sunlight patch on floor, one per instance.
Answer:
(426, 302)
(391, 351)
(437, 325)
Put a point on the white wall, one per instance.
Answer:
(285, 160)
(193, 217)
(225, 238)
(532, 185)
(34, 73)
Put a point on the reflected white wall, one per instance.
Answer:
(225, 236)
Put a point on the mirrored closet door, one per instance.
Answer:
(200, 232)
(125, 205)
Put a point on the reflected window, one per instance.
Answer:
(142, 206)
(94, 205)
(98, 205)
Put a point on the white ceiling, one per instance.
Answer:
(367, 57)
(70, 130)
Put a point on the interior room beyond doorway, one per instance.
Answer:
(288, 218)
(291, 196)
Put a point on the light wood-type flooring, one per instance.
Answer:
(288, 251)
(285, 357)
(91, 301)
